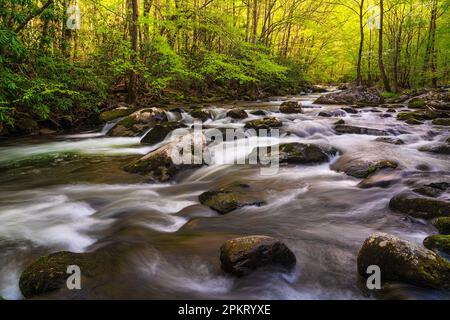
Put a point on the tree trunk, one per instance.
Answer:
(387, 87)
(131, 98)
(361, 43)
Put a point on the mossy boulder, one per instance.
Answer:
(199, 113)
(438, 243)
(26, 125)
(356, 95)
(301, 153)
(419, 207)
(160, 131)
(231, 197)
(164, 163)
(432, 190)
(237, 114)
(290, 107)
(49, 273)
(240, 256)
(138, 122)
(347, 129)
(265, 123)
(390, 140)
(416, 103)
(441, 121)
(121, 111)
(442, 224)
(258, 112)
(403, 261)
(360, 167)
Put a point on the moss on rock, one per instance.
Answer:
(242, 255)
(290, 107)
(420, 207)
(362, 168)
(438, 242)
(442, 224)
(265, 123)
(404, 261)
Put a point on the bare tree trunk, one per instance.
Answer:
(387, 87)
(132, 96)
(361, 42)
(247, 27)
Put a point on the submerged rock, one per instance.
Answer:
(231, 197)
(382, 179)
(358, 95)
(138, 122)
(362, 168)
(237, 114)
(438, 242)
(428, 191)
(442, 224)
(290, 107)
(49, 273)
(305, 153)
(258, 113)
(343, 128)
(419, 207)
(240, 256)
(160, 131)
(439, 149)
(404, 261)
(390, 140)
(350, 110)
(265, 123)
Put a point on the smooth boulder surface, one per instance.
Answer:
(290, 107)
(360, 167)
(419, 207)
(49, 273)
(438, 243)
(138, 122)
(237, 114)
(343, 128)
(400, 260)
(358, 95)
(160, 131)
(231, 197)
(159, 166)
(240, 256)
(265, 123)
(442, 224)
(120, 111)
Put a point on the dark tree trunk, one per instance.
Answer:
(386, 85)
(132, 96)
(361, 42)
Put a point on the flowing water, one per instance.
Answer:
(70, 193)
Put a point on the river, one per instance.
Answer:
(70, 193)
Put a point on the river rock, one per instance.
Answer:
(242, 255)
(442, 224)
(428, 191)
(360, 167)
(230, 198)
(358, 95)
(122, 110)
(419, 207)
(343, 128)
(290, 107)
(381, 179)
(237, 114)
(138, 122)
(160, 131)
(350, 110)
(258, 113)
(200, 114)
(441, 121)
(400, 260)
(305, 153)
(49, 273)
(416, 103)
(160, 166)
(265, 123)
(438, 243)
(390, 140)
(439, 149)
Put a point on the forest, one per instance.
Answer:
(224, 150)
(63, 58)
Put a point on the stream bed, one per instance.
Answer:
(71, 193)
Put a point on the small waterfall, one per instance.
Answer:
(109, 125)
(172, 115)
